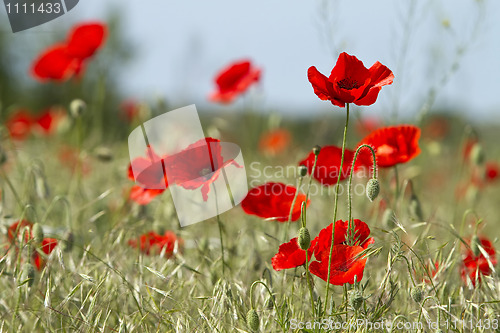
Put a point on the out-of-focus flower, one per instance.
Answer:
(350, 81)
(273, 201)
(48, 245)
(275, 142)
(393, 145)
(474, 266)
(70, 158)
(19, 124)
(234, 80)
(129, 110)
(152, 243)
(64, 60)
(49, 120)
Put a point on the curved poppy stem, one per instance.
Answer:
(335, 207)
(308, 276)
(350, 227)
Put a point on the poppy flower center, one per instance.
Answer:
(348, 84)
(343, 268)
(205, 171)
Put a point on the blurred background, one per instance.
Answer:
(445, 56)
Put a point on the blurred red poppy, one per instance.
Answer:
(328, 165)
(234, 80)
(474, 266)
(273, 201)
(85, 39)
(198, 165)
(70, 158)
(48, 245)
(393, 145)
(275, 142)
(367, 125)
(54, 64)
(46, 123)
(290, 255)
(63, 60)
(346, 264)
(324, 240)
(432, 269)
(152, 243)
(492, 171)
(150, 175)
(129, 110)
(19, 124)
(350, 81)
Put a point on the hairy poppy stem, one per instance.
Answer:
(335, 207)
(350, 228)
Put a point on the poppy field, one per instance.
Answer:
(351, 222)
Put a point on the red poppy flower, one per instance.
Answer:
(47, 122)
(274, 142)
(350, 81)
(473, 267)
(64, 60)
(234, 80)
(492, 171)
(272, 201)
(54, 64)
(150, 175)
(153, 243)
(345, 265)
(328, 165)
(432, 269)
(290, 255)
(324, 239)
(467, 148)
(85, 39)
(199, 165)
(48, 245)
(129, 110)
(19, 124)
(17, 227)
(394, 144)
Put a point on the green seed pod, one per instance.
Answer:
(372, 189)
(67, 241)
(104, 154)
(253, 320)
(316, 150)
(417, 294)
(302, 171)
(77, 108)
(37, 232)
(388, 218)
(28, 274)
(477, 154)
(415, 208)
(474, 245)
(304, 239)
(356, 299)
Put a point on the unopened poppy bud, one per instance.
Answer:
(356, 299)
(77, 107)
(67, 242)
(253, 320)
(316, 150)
(372, 189)
(28, 274)
(415, 208)
(477, 154)
(270, 302)
(302, 171)
(304, 239)
(104, 154)
(37, 233)
(474, 245)
(416, 294)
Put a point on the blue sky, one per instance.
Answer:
(180, 45)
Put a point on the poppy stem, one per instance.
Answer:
(335, 208)
(350, 227)
(290, 214)
(396, 176)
